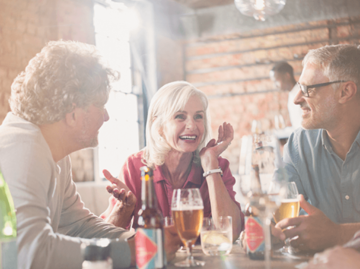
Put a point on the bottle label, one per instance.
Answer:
(254, 235)
(149, 249)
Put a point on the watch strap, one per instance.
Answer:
(213, 171)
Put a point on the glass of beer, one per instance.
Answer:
(168, 221)
(187, 212)
(289, 208)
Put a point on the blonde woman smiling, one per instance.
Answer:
(178, 127)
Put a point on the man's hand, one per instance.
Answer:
(335, 258)
(172, 242)
(121, 203)
(315, 231)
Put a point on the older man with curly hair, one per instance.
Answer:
(57, 107)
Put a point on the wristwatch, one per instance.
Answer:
(213, 171)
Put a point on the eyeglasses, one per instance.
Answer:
(305, 89)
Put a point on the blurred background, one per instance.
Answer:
(209, 43)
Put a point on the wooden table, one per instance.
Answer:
(237, 259)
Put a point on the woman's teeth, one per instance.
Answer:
(187, 137)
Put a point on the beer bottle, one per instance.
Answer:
(8, 234)
(149, 238)
(254, 234)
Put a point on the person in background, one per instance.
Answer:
(178, 126)
(282, 74)
(323, 158)
(57, 107)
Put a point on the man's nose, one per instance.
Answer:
(106, 115)
(299, 97)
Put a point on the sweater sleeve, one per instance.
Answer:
(51, 220)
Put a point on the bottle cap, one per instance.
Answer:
(98, 250)
(146, 170)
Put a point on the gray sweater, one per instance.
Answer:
(52, 221)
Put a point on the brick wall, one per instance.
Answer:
(233, 71)
(25, 27)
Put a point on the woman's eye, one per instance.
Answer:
(180, 116)
(199, 116)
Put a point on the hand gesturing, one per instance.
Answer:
(121, 203)
(213, 149)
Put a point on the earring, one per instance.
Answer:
(160, 138)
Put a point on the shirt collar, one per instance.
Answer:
(195, 175)
(357, 139)
(326, 143)
(325, 140)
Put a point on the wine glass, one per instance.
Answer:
(289, 208)
(279, 122)
(187, 212)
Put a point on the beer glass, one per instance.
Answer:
(289, 208)
(187, 212)
(168, 221)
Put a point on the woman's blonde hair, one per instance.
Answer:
(168, 100)
(63, 74)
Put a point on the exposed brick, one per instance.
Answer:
(31, 29)
(3, 72)
(20, 26)
(256, 42)
(259, 56)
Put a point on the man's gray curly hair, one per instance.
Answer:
(63, 75)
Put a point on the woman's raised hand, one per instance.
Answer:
(214, 148)
(121, 203)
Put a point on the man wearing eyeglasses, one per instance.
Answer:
(323, 159)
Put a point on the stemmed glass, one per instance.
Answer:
(187, 211)
(289, 208)
(264, 190)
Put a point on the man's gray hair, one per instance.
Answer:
(63, 75)
(338, 62)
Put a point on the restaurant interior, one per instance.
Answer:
(208, 43)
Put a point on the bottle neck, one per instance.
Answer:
(148, 198)
(255, 180)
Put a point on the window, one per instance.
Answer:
(119, 137)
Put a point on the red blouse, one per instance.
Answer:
(131, 175)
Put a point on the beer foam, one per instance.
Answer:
(187, 208)
(293, 200)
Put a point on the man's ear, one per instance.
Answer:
(72, 116)
(347, 92)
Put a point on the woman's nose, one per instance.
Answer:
(190, 124)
